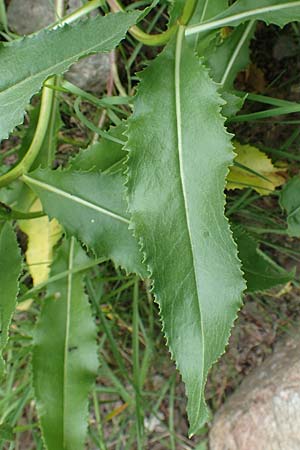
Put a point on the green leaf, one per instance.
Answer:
(179, 153)
(6, 432)
(103, 154)
(231, 56)
(278, 12)
(10, 268)
(48, 148)
(205, 9)
(260, 271)
(290, 201)
(234, 102)
(226, 60)
(224, 56)
(26, 63)
(176, 9)
(3, 18)
(65, 355)
(90, 206)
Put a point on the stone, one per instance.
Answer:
(28, 16)
(263, 413)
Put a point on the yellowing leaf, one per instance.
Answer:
(255, 170)
(42, 237)
(225, 32)
(116, 412)
(25, 305)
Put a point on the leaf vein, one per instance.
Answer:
(74, 198)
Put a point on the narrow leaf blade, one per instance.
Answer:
(92, 207)
(179, 153)
(65, 355)
(10, 268)
(278, 12)
(27, 62)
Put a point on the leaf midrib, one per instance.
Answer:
(178, 52)
(67, 338)
(210, 25)
(236, 52)
(294, 212)
(48, 187)
(204, 11)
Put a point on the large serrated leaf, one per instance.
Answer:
(10, 268)
(65, 355)
(278, 12)
(90, 206)
(179, 153)
(26, 63)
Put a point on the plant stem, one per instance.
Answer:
(61, 276)
(136, 366)
(12, 214)
(99, 422)
(161, 38)
(77, 14)
(140, 35)
(59, 8)
(188, 10)
(41, 129)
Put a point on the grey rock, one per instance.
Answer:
(28, 16)
(264, 412)
(91, 73)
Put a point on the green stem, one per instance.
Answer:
(99, 422)
(153, 39)
(188, 11)
(6, 213)
(136, 366)
(59, 8)
(41, 129)
(61, 276)
(80, 12)
(140, 35)
(161, 38)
